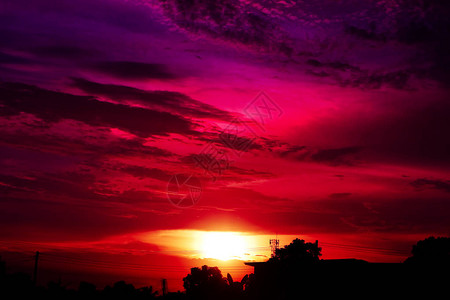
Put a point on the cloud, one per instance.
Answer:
(349, 75)
(432, 183)
(53, 106)
(355, 215)
(407, 130)
(365, 34)
(95, 145)
(145, 172)
(395, 79)
(334, 65)
(231, 21)
(340, 195)
(163, 100)
(12, 59)
(72, 205)
(63, 52)
(292, 149)
(333, 156)
(338, 156)
(135, 70)
(71, 174)
(402, 215)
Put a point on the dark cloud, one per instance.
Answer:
(334, 65)
(318, 74)
(73, 184)
(335, 156)
(135, 70)
(422, 21)
(95, 215)
(384, 45)
(251, 173)
(237, 143)
(367, 34)
(170, 101)
(133, 18)
(63, 51)
(327, 29)
(417, 30)
(97, 146)
(425, 25)
(292, 149)
(70, 204)
(12, 59)
(396, 79)
(331, 156)
(402, 215)
(352, 215)
(230, 21)
(340, 195)
(348, 75)
(54, 106)
(145, 172)
(417, 135)
(410, 130)
(432, 183)
(339, 213)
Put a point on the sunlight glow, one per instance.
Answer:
(223, 245)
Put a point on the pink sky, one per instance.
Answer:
(103, 102)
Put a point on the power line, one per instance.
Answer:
(354, 248)
(119, 265)
(363, 249)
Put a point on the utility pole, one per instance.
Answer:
(36, 258)
(164, 287)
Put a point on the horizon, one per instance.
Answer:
(96, 267)
(174, 134)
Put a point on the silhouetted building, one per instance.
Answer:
(349, 278)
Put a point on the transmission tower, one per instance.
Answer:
(274, 245)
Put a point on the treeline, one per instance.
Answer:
(21, 286)
(295, 271)
(201, 283)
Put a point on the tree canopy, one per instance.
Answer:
(298, 251)
(431, 251)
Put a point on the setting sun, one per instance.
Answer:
(223, 245)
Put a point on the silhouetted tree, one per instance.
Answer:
(147, 293)
(87, 290)
(2, 268)
(56, 290)
(298, 251)
(204, 283)
(20, 284)
(249, 284)
(120, 290)
(431, 251)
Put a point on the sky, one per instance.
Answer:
(136, 135)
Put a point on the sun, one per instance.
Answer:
(223, 245)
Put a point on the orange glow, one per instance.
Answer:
(214, 245)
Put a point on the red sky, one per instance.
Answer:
(103, 102)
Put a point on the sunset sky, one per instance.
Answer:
(341, 109)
